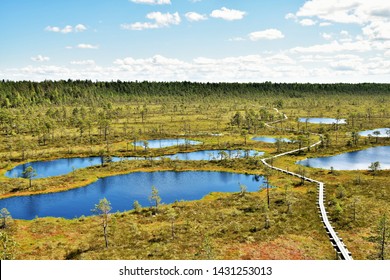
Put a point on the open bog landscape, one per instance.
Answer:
(199, 190)
(195, 130)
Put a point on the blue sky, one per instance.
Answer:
(196, 40)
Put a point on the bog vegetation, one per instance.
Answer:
(49, 120)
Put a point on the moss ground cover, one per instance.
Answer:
(219, 226)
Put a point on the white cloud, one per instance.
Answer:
(322, 24)
(87, 46)
(347, 63)
(277, 67)
(280, 59)
(307, 22)
(152, 2)
(80, 28)
(373, 15)
(53, 29)
(40, 58)
(44, 71)
(332, 10)
(67, 29)
(268, 34)
(326, 36)
(159, 20)
(192, 16)
(335, 46)
(228, 14)
(290, 16)
(378, 30)
(83, 62)
(236, 39)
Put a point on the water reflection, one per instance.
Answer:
(323, 120)
(163, 143)
(270, 139)
(123, 190)
(66, 165)
(358, 160)
(383, 132)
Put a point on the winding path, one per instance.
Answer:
(336, 241)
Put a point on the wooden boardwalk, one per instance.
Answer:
(336, 241)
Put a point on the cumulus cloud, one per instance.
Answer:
(87, 46)
(236, 39)
(234, 68)
(83, 62)
(278, 67)
(307, 22)
(192, 16)
(159, 20)
(373, 15)
(268, 34)
(335, 46)
(228, 14)
(280, 58)
(331, 10)
(345, 66)
(152, 2)
(67, 29)
(80, 28)
(290, 16)
(325, 24)
(378, 30)
(326, 36)
(40, 58)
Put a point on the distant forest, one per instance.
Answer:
(70, 92)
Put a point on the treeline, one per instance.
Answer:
(26, 93)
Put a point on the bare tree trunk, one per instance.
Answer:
(105, 233)
(383, 241)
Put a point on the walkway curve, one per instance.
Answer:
(336, 241)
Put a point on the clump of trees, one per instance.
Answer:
(374, 167)
(29, 173)
(155, 199)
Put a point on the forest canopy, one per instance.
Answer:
(15, 94)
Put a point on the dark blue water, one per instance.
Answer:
(163, 143)
(383, 132)
(56, 167)
(123, 190)
(66, 165)
(270, 139)
(359, 160)
(323, 120)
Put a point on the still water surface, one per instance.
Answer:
(383, 132)
(358, 160)
(123, 190)
(270, 139)
(323, 120)
(163, 143)
(66, 165)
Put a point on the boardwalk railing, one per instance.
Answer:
(337, 242)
